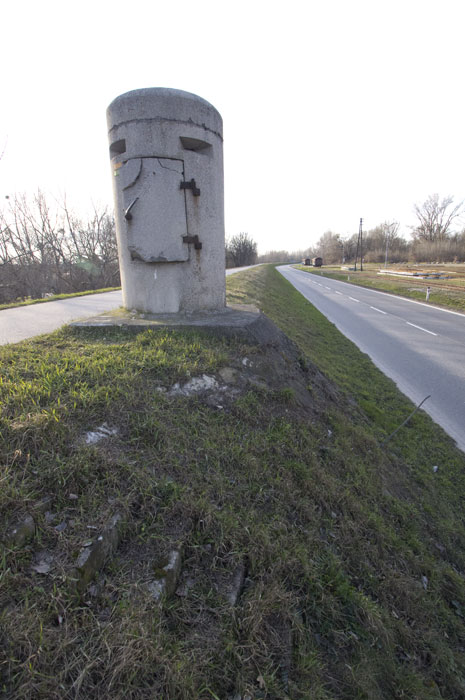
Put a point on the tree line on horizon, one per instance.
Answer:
(46, 248)
(438, 236)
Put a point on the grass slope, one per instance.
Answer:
(352, 553)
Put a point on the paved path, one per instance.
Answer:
(28, 321)
(421, 347)
(25, 322)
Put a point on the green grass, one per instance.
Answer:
(55, 297)
(447, 298)
(354, 552)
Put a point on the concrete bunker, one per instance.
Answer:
(166, 151)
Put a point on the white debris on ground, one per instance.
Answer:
(103, 431)
(229, 375)
(196, 385)
(42, 562)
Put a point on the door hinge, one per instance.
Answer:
(194, 240)
(190, 186)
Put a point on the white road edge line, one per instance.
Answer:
(379, 310)
(327, 287)
(357, 300)
(340, 293)
(411, 301)
(420, 328)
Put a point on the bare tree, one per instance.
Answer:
(390, 229)
(241, 250)
(47, 249)
(329, 247)
(436, 218)
(274, 256)
(91, 245)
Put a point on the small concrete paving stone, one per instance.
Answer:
(166, 581)
(92, 558)
(21, 532)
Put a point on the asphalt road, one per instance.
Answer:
(421, 347)
(25, 322)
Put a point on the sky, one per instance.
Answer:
(332, 110)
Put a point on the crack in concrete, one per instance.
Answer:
(179, 172)
(164, 119)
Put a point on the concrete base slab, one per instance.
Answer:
(235, 319)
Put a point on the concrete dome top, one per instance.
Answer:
(164, 104)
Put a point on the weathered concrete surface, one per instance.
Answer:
(92, 558)
(231, 320)
(232, 586)
(20, 532)
(166, 150)
(24, 528)
(166, 576)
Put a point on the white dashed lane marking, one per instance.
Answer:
(420, 328)
(425, 330)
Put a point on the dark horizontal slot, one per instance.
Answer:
(197, 145)
(117, 148)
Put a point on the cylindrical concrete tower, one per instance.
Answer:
(166, 150)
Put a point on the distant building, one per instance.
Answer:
(317, 262)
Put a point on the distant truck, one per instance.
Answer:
(306, 261)
(317, 262)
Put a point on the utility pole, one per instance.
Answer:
(359, 245)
